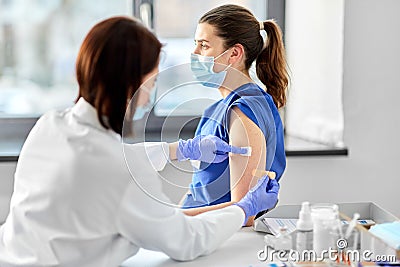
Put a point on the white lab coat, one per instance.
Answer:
(76, 203)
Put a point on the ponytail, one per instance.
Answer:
(237, 25)
(271, 66)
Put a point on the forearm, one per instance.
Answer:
(197, 211)
(222, 224)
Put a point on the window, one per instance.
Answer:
(180, 100)
(314, 45)
(39, 41)
(178, 34)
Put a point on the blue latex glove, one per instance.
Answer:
(262, 196)
(206, 148)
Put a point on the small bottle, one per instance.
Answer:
(324, 223)
(304, 235)
(283, 240)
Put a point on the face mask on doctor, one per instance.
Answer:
(140, 111)
(203, 69)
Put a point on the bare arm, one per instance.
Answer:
(242, 132)
(197, 211)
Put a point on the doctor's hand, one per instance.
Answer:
(206, 148)
(262, 196)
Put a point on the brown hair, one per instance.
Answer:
(237, 25)
(114, 57)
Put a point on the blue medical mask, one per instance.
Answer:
(203, 69)
(140, 111)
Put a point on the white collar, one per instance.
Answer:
(85, 113)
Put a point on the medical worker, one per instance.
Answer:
(228, 40)
(76, 202)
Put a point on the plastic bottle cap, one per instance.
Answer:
(305, 222)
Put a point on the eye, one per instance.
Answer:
(204, 46)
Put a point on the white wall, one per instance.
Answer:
(371, 94)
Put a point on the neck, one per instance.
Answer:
(234, 79)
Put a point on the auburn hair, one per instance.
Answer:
(114, 57)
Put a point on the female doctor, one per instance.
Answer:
(75, 202)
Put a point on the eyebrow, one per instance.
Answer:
(201, 40)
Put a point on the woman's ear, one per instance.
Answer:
(237, 55)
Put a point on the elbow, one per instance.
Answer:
(183, 257)
(185, 254)
(199, 242)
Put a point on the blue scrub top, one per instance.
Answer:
(211, 183)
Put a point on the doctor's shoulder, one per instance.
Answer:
(83, 132)
(43, 123)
